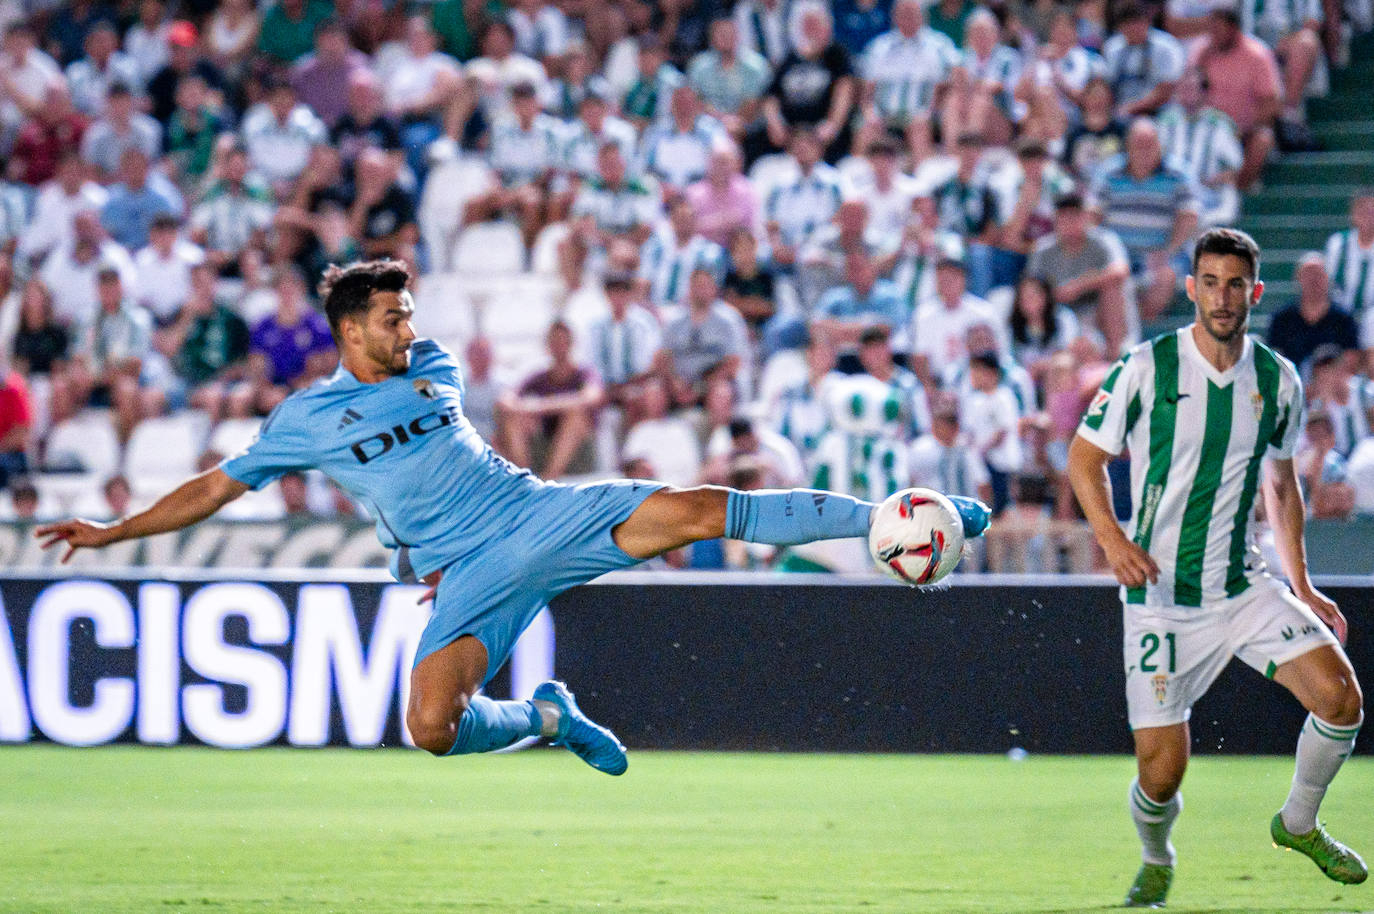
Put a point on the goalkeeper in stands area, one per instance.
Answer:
(495, 543)
(1211, 417)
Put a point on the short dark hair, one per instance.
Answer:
(1228, 241)
(347, 291)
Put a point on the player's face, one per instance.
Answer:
(388, 333)
(1224, 292)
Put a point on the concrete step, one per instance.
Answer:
(1346, 134)
(1332, 167)
(1300, 200)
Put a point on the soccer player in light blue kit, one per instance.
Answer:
(496, 542)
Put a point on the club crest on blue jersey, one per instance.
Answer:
(425, 388)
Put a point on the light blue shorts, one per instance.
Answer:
(561, 540)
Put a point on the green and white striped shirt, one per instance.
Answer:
(1351, 269)
(1197, 438)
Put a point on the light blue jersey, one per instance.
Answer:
(403, 448)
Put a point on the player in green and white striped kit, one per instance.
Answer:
(1210, 416)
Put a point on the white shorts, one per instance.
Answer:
(1173, 654)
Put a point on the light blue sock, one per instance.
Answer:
(488, 725)
(786, 517)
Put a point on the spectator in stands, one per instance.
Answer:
(989, 412)
(611, 205)
(206, 344)
(292, 345)
(322, 79)
(58, 202)
(674, 252)
(813, 89)
(231, 35)
(724, 200)
(163, 269)
(1099, 135)
(1350, 258)
(146, 41)
(90, 78)
(730, 79)
(279, 133)
(234, 214)
(40, 341)
(525, 151)
(363, 123)
(1203, 144)
(139, 198)
(501, 68)
(184, 60)
(121, 127)
(902, 71)
(796, 208)
(655, 79)
(800, 410)
(24, 499)
(48, 136)
(751, 285)
(1040, 327)
(1243, 82)
(940, 325)
(556, 406)
(70, 271)
(847, 311)
(541, 29)
(1323, 471)
(623, 343)
(419, 87)
(111, 353)
(594, 125)
(1062, 69)
(1344, 397)
(28, 75)
(765, 26)
(706, 345)
(16, 424)
(481, 393)
(821, 265)
(192, 130)
(1293, 31)
(1151, 207)
(676, 149)
(666, 441)
(912, 413)
(295, 494)
(889, 192)
(1027, 198)
(289, 26)
(382, 217)
(743, 438)
(1143, 64)
(966, 204)
(1298, 329)
(1087, 269)
(980, 95)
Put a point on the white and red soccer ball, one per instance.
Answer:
(916, 536)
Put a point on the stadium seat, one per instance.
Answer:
(163, 451)
(448, 189)
(86, 442)
(544, 256)
(488, 248)
(233, 435)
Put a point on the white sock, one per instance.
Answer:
(1154, 821)
(548, 717)
(1322, 748)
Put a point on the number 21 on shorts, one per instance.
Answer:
(1149, 646)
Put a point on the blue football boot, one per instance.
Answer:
(591, 742)
(973, 513)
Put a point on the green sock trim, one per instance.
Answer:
(1145, 804)
(1340, 734)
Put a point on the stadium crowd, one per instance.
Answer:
(857, 245)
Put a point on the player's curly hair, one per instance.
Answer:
(1228, 241)
(346, 291)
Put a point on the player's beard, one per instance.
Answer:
(385, 353)
(1238, 323)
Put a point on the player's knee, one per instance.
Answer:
(1161, 781)
(1338, 700)
(434, 725)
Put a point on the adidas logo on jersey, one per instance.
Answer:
(349, 417)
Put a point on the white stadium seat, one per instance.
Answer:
(86, 442)
(233, 435)
(544, 256)
(488, 248)
(163, 451)
(771, 171)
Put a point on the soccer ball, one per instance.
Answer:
(916, 536)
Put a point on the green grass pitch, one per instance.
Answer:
(167, 830)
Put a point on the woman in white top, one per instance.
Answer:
(232, 36)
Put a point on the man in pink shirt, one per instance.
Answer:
(724, 200)
(1242, 80)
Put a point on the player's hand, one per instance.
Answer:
(1131, 564)
(1326, 610)
(75, 534)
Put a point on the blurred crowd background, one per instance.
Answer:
(859, 245)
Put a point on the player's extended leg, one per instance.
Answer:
(672, 518)
(1325, 683)
(1161, 759)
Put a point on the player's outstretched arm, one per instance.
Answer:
(1283, 505)
(194, 500)
(1088, 475)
